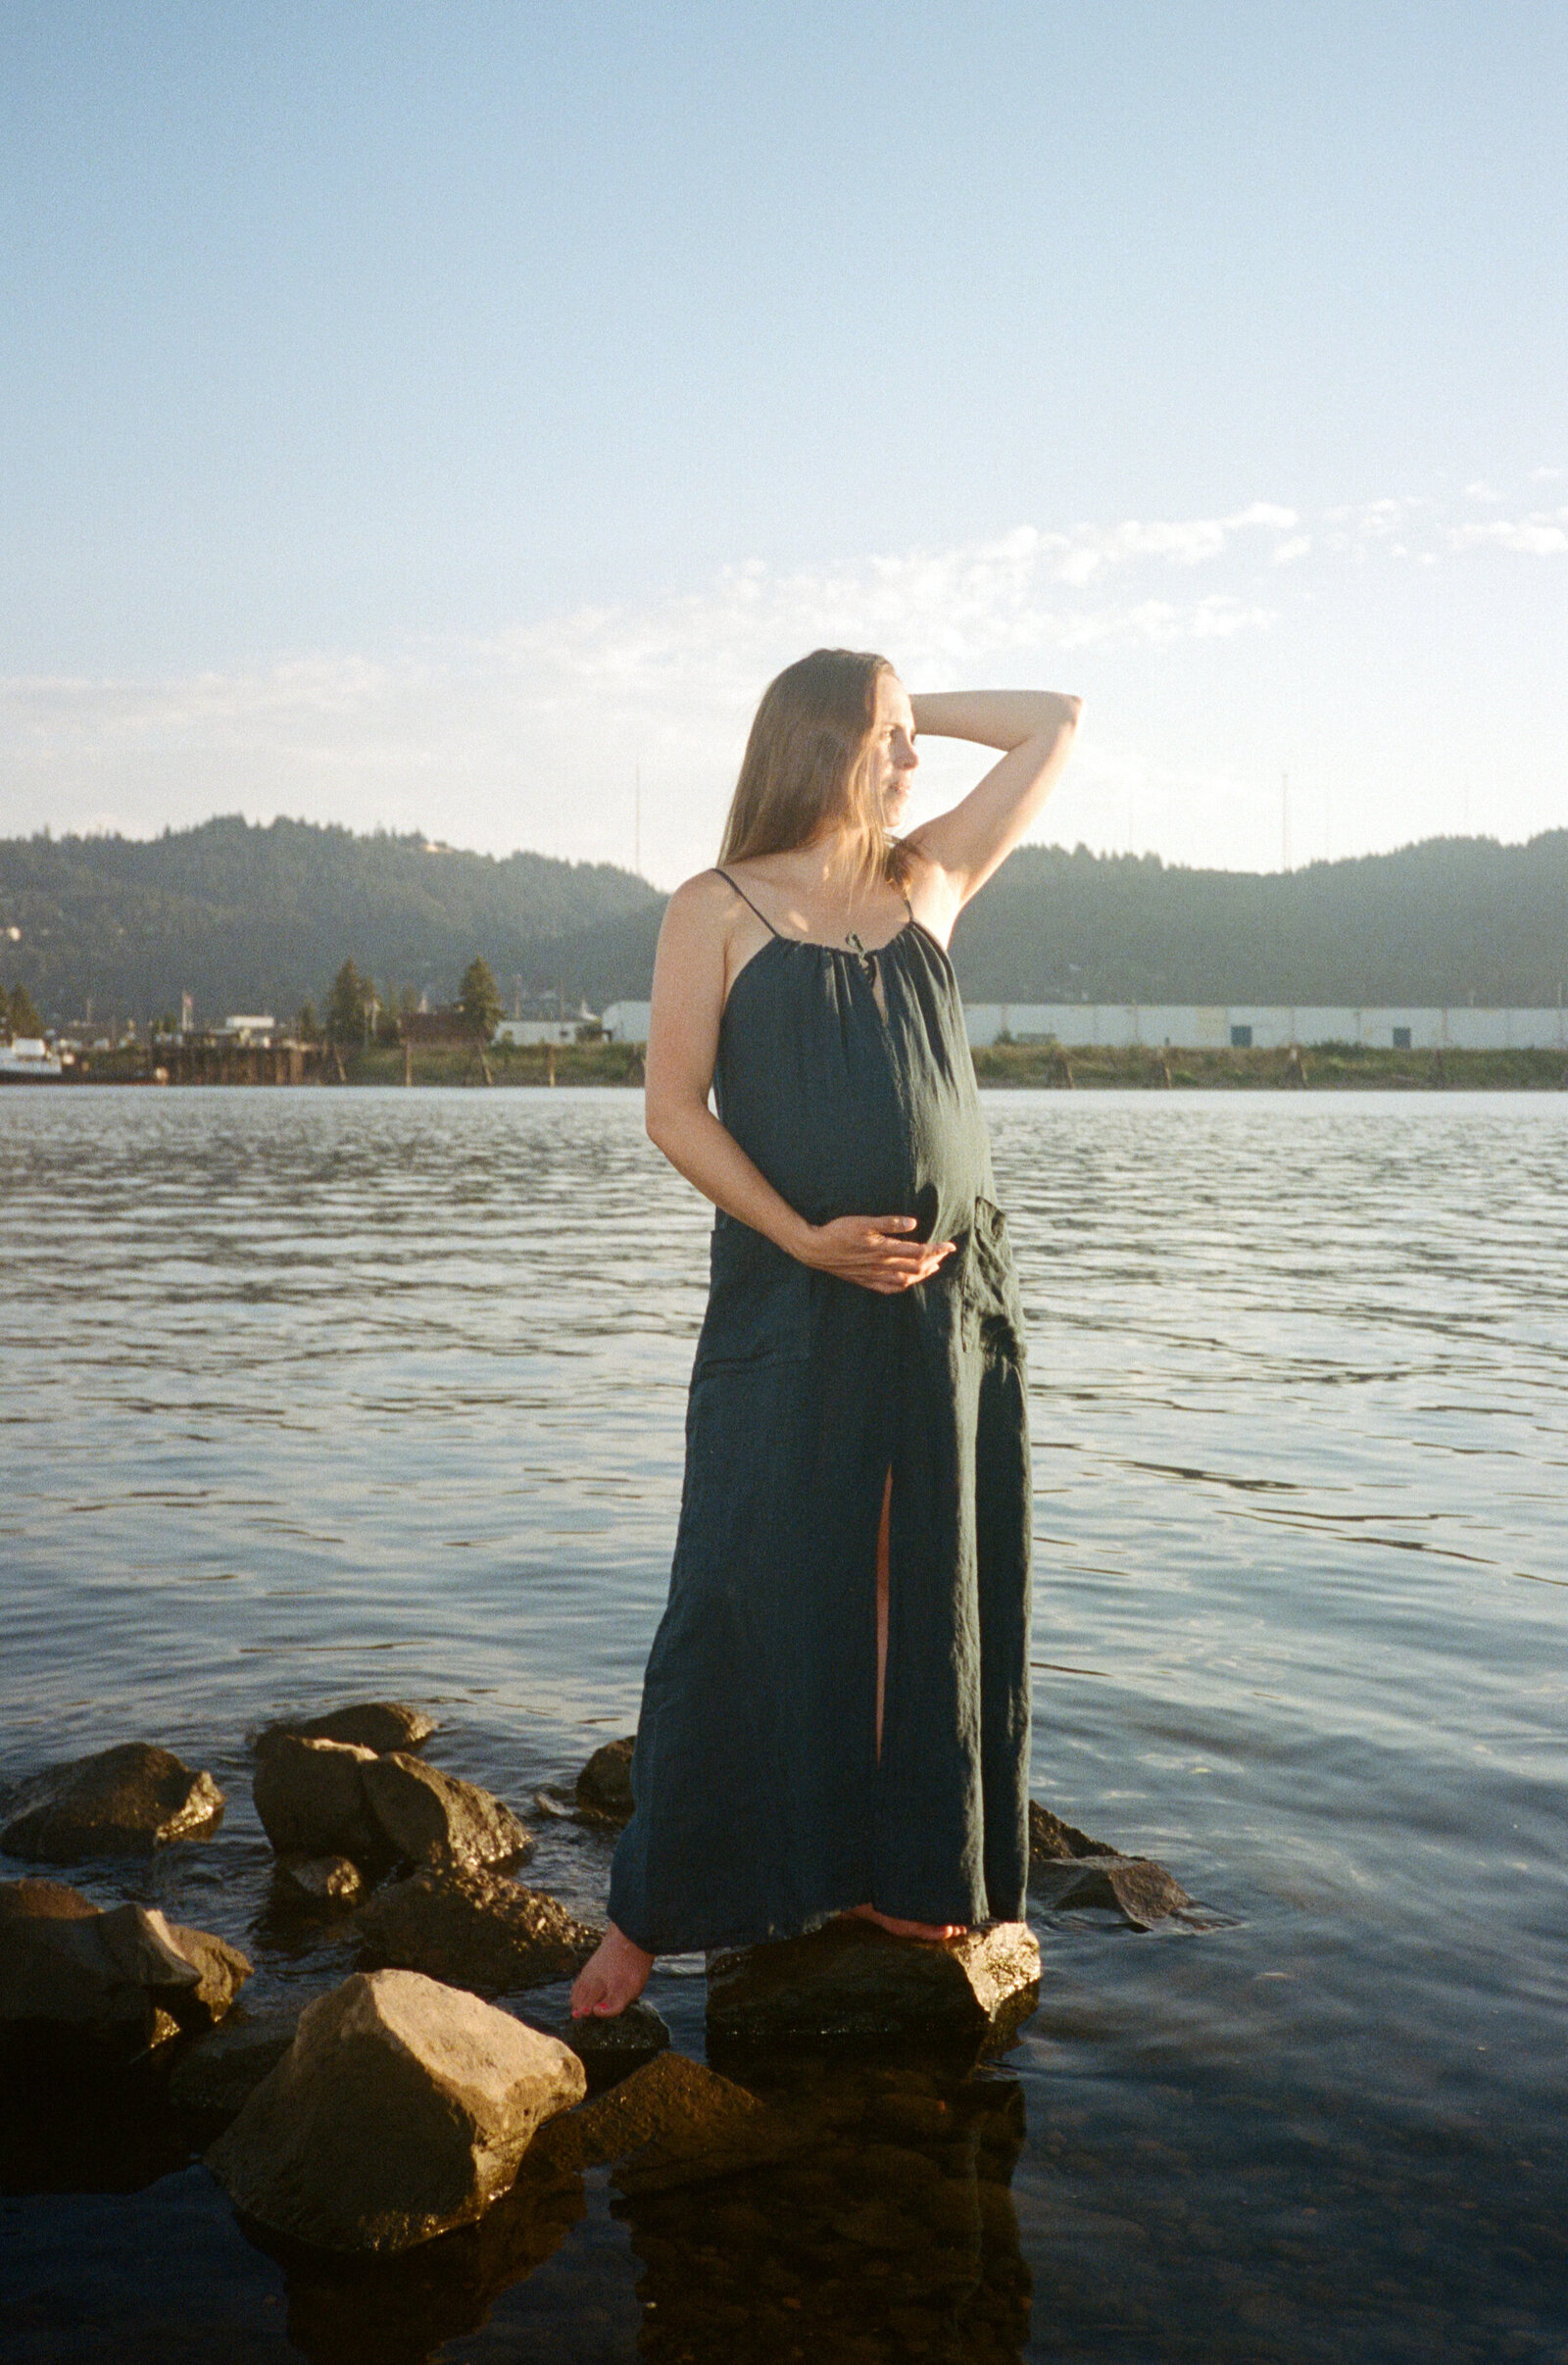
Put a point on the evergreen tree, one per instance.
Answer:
(346, 1005)
(479, 999)
(22, 1012)
(306, 1025)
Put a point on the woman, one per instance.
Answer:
(835, 1710)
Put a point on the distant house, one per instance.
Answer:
(540, 1030)
(248, 1027)
(626, 1022)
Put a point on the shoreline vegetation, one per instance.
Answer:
(1341, 1066)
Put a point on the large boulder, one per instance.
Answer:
(400, 2109)
(432, 1818)
(127, 1977)
(852, 1982)
(1068, 1870)
(367, 1724)
(120, 1802)
(476, 1930)
(220, 2071)
(603, 1787)
(311, 1800)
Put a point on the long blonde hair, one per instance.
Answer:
(808, 767)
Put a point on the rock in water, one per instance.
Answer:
(123, 1978)
(1067, 1869)
(311, 1800)
(400, 2109)
(432, 1818)
(118, 1802)
(1053, 1842)
(611, 2046)
(603, 1787)
(852, 1982)
(369, 1724)
(330, 1881)
(475, 1929)
(222, 2071)
(1141, 1891)
(676, 2120)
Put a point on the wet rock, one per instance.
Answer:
(474, 1930)
(311, 1803)
(327, 1881)
(1141, 1891)
(854, 1983)
(432, 1818)
(120, 1802)
(1068, 1870)
(610, 2049)
(369, 1724)
(670, 2122)
(603, 1787)
(124, 1978)
(222, 2070)
(400, 2109)
(1053, 1842)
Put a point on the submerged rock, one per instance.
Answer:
(476, 1930)
(400, 2109)
(1141, 1891)
(852, 1982)
(311, 1803)
(432, 1818)
(222, 2070)
(120, 1802)
(603, 1787)
(127, 1977)
(369, 1724)
(672, 2121)
(1068, 1870)
(610, 2047)
(330, 1881)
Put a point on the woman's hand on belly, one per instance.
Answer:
(874, 1251)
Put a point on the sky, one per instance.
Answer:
(449, 418)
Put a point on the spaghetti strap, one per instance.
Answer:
(746, 899)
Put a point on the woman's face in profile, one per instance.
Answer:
(892, 752)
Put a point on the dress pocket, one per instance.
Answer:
(987, 1284)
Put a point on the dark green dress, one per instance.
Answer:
(762, 1807)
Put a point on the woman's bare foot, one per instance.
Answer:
(926, 1929)
(614, 1975)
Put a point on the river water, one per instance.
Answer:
(317, 1395)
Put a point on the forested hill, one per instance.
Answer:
(1448, 921)
(260, 919)
(248, 918)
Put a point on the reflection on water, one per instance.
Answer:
(314, 1395)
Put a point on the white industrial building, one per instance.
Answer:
(1217, 1026)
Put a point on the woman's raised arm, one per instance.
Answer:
(965, 845)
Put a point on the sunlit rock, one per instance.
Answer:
(311, 1800)
(331, 1882)
(429, 1817)
(372, 1724)
(852, 1982)
(120, 1802)
(476, 1930)
(400, 2109)
(127, 1977)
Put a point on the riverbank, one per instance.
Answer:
(1344, 1066)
